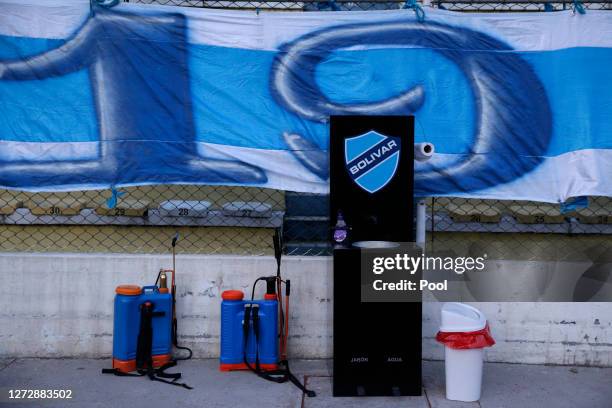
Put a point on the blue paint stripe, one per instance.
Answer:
(233, 106)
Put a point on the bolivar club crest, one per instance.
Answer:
(372, 159)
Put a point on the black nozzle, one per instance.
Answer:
(270, 285)
(287, 287)
(278, 244)
(174, 239)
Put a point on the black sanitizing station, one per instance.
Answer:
(377, 345)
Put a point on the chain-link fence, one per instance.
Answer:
(455, 5)
(142, 219)
(241, 220)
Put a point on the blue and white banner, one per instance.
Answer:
(518, 106)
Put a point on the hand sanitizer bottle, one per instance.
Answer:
(340, 231)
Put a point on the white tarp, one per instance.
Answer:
(517, 105)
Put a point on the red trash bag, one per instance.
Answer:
(466, 340)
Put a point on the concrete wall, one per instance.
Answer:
(60, 305)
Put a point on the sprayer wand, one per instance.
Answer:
(174, 240)
(173, 288)
(283, 314)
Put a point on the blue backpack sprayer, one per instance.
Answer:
(145, 328)
(253, 331)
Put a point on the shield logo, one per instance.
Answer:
(371, 159)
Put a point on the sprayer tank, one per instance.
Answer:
(128, 300)
(232, 334)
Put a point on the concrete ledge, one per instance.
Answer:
(61, 305)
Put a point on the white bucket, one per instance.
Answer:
(463, 374)
(463, 368)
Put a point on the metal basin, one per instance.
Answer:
(375, 244)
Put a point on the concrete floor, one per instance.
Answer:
(505, 385)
